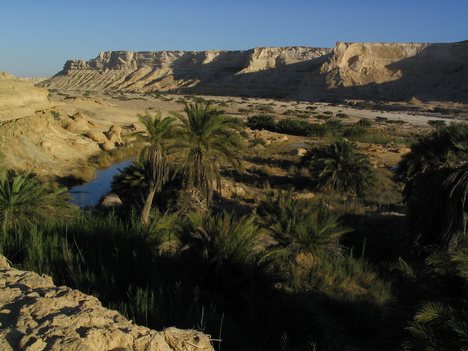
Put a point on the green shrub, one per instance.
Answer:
(436, 124)
(261, 122)
(293, 126)
(354, 132)
(339, 166)
(364, 122)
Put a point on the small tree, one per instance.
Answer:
(159, 133)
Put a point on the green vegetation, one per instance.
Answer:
(158, 132)
(208, 139)
(341, 267)
(435, 174)
(24, 199)
(332, 127)
(339, 167)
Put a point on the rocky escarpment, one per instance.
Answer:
(260, 71)
(36, 315)
(357, 70)
(19, 98)
(392, 71)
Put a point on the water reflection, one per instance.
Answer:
(90, 193)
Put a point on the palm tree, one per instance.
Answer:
(304, 227)
(25, 200)
(132, 182)
(436, 185)
(159, 133)
(456, 222)
(222, 237)
(304, 232)
(443, 324)
(444, 148)
(210, 140)
(339, 167)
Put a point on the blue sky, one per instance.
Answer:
(37, 37)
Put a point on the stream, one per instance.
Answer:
(90, 193)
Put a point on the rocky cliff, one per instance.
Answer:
(392, 71)
(260, 71)
(36, 315)
(358, 70)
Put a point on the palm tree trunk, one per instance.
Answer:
(145, 213)
(4, 224)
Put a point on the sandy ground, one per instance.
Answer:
(44, 144)
(124, 108)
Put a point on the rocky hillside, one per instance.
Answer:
(36, 315)
(41, 138)
(19, 98)
(358, 70)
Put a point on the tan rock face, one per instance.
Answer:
(36, 315)
(260, 71)
(395, 71)
(357, 70)
(20, 98)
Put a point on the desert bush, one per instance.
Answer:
(342, 115)
(364, 122)
(293, 126)
(436, 124)
(354, 132)
(261, 122)
(380, 119)
(264, 107)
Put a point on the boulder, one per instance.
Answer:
(300, 151)
(114, 134)
(96, 136)
(259, 147)
(107, 145)
(111, 200)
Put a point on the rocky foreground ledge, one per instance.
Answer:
(36, 315)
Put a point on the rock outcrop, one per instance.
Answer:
(392, 71)
(357, 70)
(19, 98)
(43, 139)
(36, 315)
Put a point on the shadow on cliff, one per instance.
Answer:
(438, 72)
(214, 78)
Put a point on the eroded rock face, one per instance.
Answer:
(395, 71)
(36, 315)
(259, 71)
(20, 98)
(351, 70)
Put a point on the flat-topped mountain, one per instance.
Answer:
(357, 70)
(209, 72)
